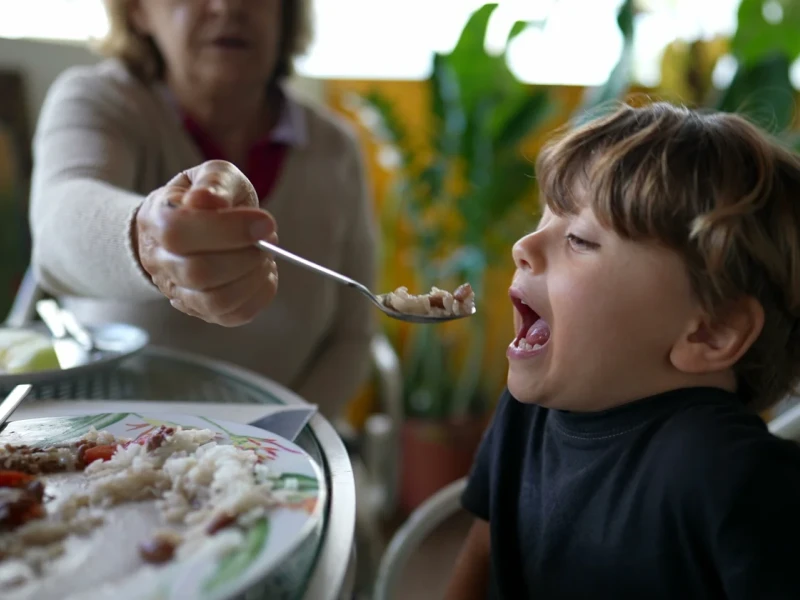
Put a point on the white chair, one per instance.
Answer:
(423, 521)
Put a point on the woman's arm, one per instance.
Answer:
(470, 580)
(343, 364)
(80, 214)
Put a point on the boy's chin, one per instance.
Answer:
(524, 390)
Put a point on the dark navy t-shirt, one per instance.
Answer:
(679, 496)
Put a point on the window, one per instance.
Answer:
(391, 39)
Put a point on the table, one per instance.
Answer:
(162, 374)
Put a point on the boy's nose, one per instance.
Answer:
(527, 254)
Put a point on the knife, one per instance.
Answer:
(12, 401)
(68, 351)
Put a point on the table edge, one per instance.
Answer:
(333, 559)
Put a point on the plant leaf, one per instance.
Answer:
(529, 113)
(756, 37)
(448, 114)
(600, 99)
(480, 74)
(517, 28)
(763, 93)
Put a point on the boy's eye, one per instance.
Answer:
(580, 244)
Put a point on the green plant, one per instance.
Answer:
(764, 46)
(463, 197)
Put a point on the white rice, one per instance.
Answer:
(411, 304)
(197, 483)
(196, 480)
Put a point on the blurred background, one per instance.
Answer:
(452, 100)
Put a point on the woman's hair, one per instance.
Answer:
(715, 189)
(142, 57)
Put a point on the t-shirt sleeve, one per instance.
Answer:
(756, 531)
(476, 496)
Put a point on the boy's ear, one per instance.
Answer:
(711, 345)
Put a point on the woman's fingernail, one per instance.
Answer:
(260, 229)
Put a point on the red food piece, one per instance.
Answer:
(15, 479)
(99, 453)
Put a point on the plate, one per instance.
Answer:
(267, 544)
(115, 342)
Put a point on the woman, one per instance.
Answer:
(136, 197)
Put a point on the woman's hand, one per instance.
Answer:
(195, 237)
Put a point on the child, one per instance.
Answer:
(656, 308)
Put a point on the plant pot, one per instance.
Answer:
(436, 453)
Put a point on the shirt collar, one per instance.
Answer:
(290, 129)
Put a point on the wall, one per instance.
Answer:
(42, 61)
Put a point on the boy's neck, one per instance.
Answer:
(634, 391)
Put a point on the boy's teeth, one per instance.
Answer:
(523, 344)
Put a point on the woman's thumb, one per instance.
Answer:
(219, 184)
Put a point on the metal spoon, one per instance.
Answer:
(12, 401)
(377, 299)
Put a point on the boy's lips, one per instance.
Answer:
(533, 332)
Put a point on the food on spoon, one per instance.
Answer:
(24, 351)
(436, 303)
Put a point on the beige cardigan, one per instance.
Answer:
(105, 140)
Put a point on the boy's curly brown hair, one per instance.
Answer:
(714, 188)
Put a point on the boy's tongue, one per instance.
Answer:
(538, 333)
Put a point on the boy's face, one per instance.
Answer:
(609, 312)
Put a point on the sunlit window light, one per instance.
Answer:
(386, 39)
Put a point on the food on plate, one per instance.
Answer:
(436, 303)
(25, 351)
(200, 495)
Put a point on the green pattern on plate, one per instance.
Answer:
(235, 564)
(57, 430)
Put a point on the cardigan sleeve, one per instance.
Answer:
(85, 153)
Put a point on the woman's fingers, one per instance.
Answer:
(234, 303)
(221, 179)
(196, 237)
(202, 272)
(187, 231)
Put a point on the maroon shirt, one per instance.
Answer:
(265, 159)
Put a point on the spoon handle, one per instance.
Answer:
(311, 266)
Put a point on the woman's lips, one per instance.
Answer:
(231, 43)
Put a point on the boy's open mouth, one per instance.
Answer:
(534, 332)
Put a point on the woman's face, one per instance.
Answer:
(211, 43)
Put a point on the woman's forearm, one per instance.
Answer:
(82, 244)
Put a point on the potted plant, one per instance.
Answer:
(458, 202)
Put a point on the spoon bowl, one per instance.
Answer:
(376, 299)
